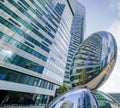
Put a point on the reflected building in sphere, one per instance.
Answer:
(116, 96)
(84, 98)
(94, 60)
(92, 65)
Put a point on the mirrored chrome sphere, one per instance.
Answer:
(84, 98)
(94, 61)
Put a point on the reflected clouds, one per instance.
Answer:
(94, 61)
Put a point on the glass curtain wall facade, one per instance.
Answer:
(34, 42)
(77, 35)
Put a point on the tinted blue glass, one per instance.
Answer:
(11, 26)
(14, 76)
(2, 76)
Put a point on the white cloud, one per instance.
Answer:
(115, 25)
(112, 84)
(118, 52)
(115, 30)
(115, 4)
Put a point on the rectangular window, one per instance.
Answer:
(2, 76)
(14, 22)
(12, 77)
(5, 38)
(42, 83)
(31, 81)
(29, 44)
(12, 41)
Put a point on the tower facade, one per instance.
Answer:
(34, 42)
(77, 35)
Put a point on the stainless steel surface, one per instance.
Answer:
(106, 101)
(84, 98)
(94, 61)
(92, 65)
(77, 98)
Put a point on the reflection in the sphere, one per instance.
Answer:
(92, 65)
(77, 98)
(83, 98)
(94, 61)
(106, 101)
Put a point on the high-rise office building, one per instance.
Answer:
(34, 42)
(77, 35)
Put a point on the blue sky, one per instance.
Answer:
(104, 15)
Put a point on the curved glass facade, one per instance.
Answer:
(94, 61)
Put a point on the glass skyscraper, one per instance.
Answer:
(77, 35)
(34, 42)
